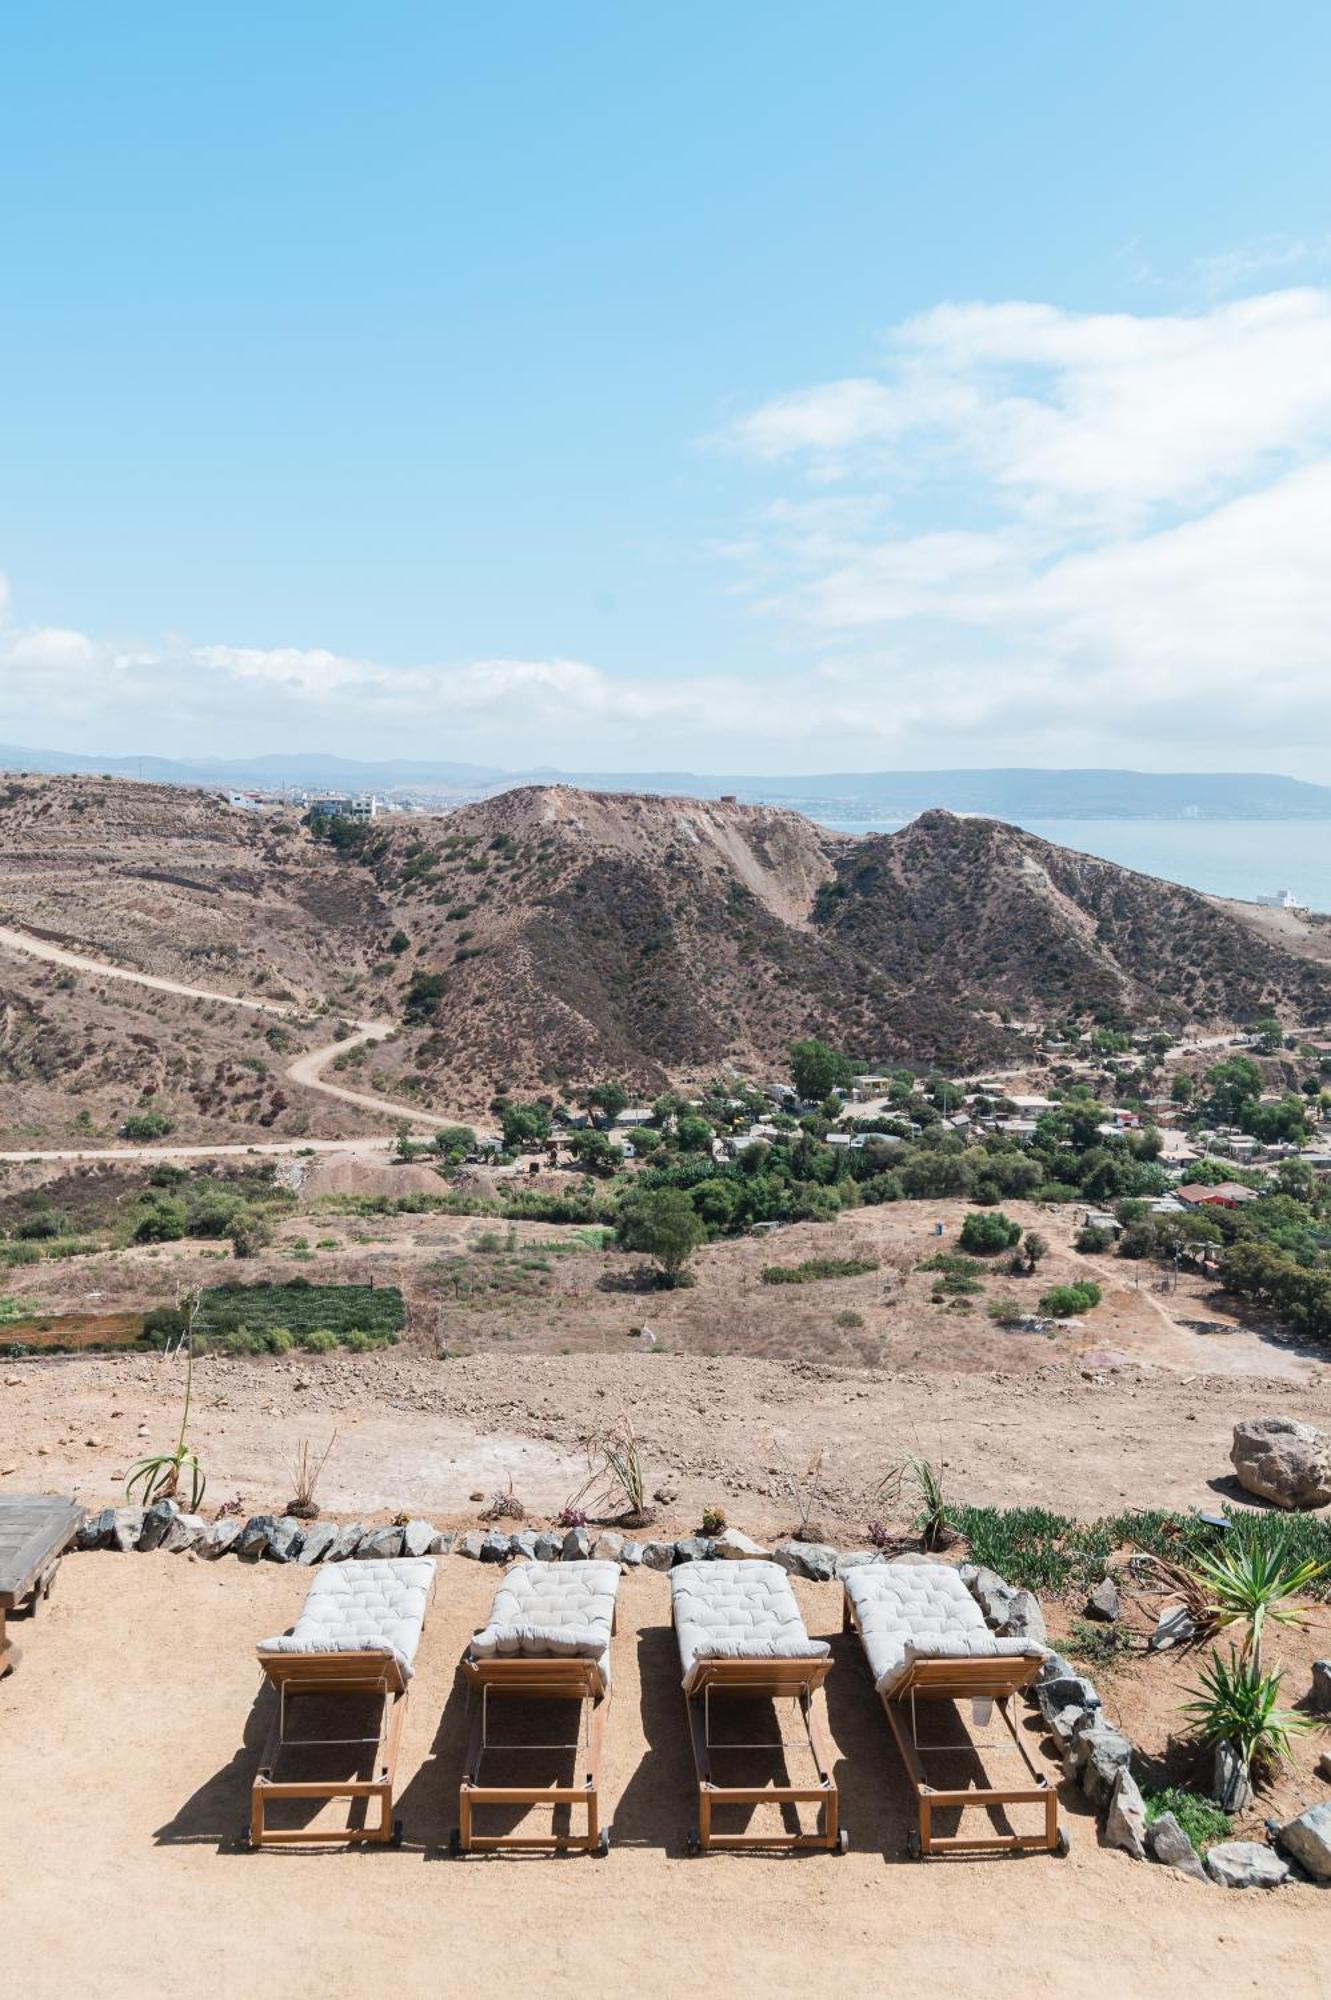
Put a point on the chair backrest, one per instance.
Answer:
(991, 1675)
(368, 1672)
(771, 1678)
(533, 1674)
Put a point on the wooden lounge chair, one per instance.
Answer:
(35, 1531)
(925, 1640)
(548, 1640)
(352, 1648)
(741, 1639)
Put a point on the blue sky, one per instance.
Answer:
(764, 387)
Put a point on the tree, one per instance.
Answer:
(454, 1142)
(609, 1098)
(249, 1231)
(1233, 1084)
(145, 1125)
(398, 943)
(423, 997)
(594, 1152)
(1181, 1090)
(988, 1230)
(816, 1071)
(524, 1126)
(161, 1222)
(693, 1135)
(1271, 1123)
(665, 1226)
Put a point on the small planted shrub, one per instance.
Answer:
(1069, 1301)
(986, 1231)
(713, 1520)
(1201, 1819)
(145, 1125)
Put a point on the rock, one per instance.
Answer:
(666, 1493)
(1024, 1620)
(813, 1560)
(1231, 1787)
(1283, 1460)
(1175, 1627)
(348, 1541)
(576, 1545)
(320, 1538)
(1245, 1864)
(1308, 1839)
(1321, 1687)
(380, 1544)
(495, 1547)
(1125, 1819)
(285, 1540)
(185, 1532)
(470, 1545)
(97, 1528)
(523, 1544)
(1170, 1844)
(441, 1541)
(854, 1559)
(693, 1548)
(631, 1555)
(1070, 1723)
(607, 1546)
(1055, 1668)
(1103, 1752)
(1103, 1601)
(1324, 1766)
(126, 1529)
(253, 1537)
(1070, 1691)
(416, 1538)
(990, 1592)
(658, 1555)
(733, 1544)
(156, 1522)
(548, 1546)
(222, 1536)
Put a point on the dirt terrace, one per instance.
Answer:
(130, 1733)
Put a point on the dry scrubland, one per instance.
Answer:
(131, 1731)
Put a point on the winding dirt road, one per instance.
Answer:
(306, 1072)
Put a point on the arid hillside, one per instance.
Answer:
(550, 936)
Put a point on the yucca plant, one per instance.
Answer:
(1236, 1702)
(159, 1477)
(1248, 1586)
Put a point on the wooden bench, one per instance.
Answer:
(35, 1531)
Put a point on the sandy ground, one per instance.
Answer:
(130, 1732)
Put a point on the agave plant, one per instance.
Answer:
(159, 1477)
(1248, 1586)
(1237, 1702)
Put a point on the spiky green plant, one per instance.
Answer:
(1248, 1586)
(1238, 1703)
(158, 1477)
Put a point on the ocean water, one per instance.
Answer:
(1226, 857)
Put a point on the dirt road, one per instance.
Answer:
(306, 1072)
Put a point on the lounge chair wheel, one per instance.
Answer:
(692, 1842)
(602, 1847)
(455, 1844)
(842, 1842)
(913, 1847)
(244, 1843)
(1062, 1845)
(395, 1837)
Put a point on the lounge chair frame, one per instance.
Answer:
(534, 1678)
(323, 1675)
(775, 1680)
(996, 1678)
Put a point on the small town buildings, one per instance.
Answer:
(1226, 1194)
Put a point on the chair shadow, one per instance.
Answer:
(428, 1804)
(218, 1812)
(657, 1805)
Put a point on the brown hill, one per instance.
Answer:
(550, 936)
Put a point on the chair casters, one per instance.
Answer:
(692, 1842)
(602, 1847)
(455, 1847)
(1062, 1846)
(913, 1846)
(842, 1844)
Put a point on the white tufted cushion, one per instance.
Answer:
(552, 1611)
(921, 1611)
(737, 1611)
(362, 1607)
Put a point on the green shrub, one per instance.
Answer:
(146, 1125)
(1068, 1301)
(1201, 1819)
(814, 1268)
(318, 1340)
(987, 1231)
(19, 1253)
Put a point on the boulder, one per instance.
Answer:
(1024, 1620)
(1103, 1752)
(813, 1560)
(348, 1541)
(126, 1529)
(658, 1555)
(441, 1541)
(253, 1537)
(693, 1548)
(1054, 1668)
(548, 1546)
(380, 1544)
(1308, 1839)
(1321, 1687)
(1245, 1864)
(1070, 1691)
(97, 1529)
(185, 1532)
(631, 1555)
(470, 1545)
(855, 1559)
(990, 1592)
(286, 1539)
(1125, 1819)
(495, 1547)
(1174, 1627)
(1282, 1460)
(1103, 1601)
(222, 1535)
(608, 1546)
(523, 1544)
(320, 1537)
(1170, 1844)
(156, 1522)
(1231, 1787)
(416, 1538)
(734, 1545)
(1067, 1725)
(576, 1545)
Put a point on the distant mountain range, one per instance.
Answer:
(844, 797)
